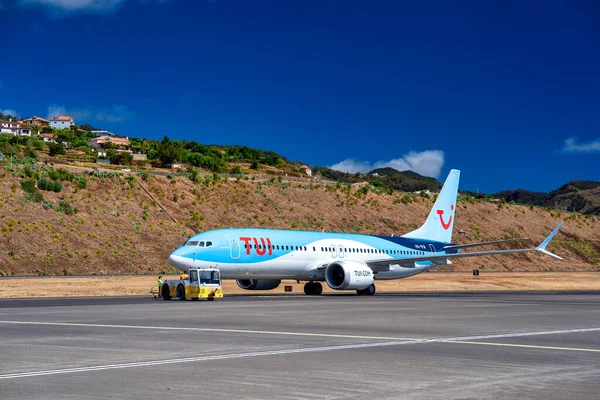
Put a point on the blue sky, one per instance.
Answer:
(509, 93)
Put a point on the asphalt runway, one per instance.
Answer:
(420, 345)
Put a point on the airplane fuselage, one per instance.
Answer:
(282, 254)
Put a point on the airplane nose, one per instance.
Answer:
(179, 261)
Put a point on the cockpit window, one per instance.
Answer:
(199, 243)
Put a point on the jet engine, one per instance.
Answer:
(348, 275)
(258, 284)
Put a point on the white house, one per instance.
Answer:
(62, 122)
(360, 184)
(307, 169)
(14, 128)
(48, 137)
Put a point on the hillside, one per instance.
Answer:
(579, 196)
(407, 181)
(129, 223)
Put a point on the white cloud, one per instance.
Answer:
(76, 5)
(115, 113)
(572, 146)
(56, 111)
(63, 7)
(8, 111)
(427, 163)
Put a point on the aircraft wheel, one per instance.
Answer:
(165, 292)
(180, 292)
(308, 288)
(360, 292)
(317, 289)
(370, 291)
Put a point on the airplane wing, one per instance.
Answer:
(464, 246)
(443, 259)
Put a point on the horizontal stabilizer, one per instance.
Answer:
(542, 247)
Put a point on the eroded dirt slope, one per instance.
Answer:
(121, 228)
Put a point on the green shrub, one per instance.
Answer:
(64, 175)
(50, 186)
(28, 186)
(52, 173)
(66, 207)
(81, 183)
(143, 175)
(35, 196)
(44, 184)
(56, 149)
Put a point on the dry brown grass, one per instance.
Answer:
(119, 230)
(141, 285)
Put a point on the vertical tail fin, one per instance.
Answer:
(440, 221)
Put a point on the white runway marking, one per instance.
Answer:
(200, 358)
(526, 346)
(284, 333)
(469, 340)
(180, 328)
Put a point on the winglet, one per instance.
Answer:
(542, 246)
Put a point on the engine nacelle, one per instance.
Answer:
(348, 275)
(258, 284)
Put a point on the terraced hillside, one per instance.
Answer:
(129, 223)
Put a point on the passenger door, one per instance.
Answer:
(234, 247)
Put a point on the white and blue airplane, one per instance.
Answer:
(260, 258)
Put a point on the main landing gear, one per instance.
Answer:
(313, 288)
(370, 291)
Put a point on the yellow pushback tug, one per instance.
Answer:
(202, 283)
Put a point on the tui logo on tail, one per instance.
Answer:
(445, 225)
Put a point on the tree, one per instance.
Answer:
(56, 149)
(169, 151)
(119, 157)
(64, 136)
(88, 127)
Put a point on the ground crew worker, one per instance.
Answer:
(183, 276)
(160, 282)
